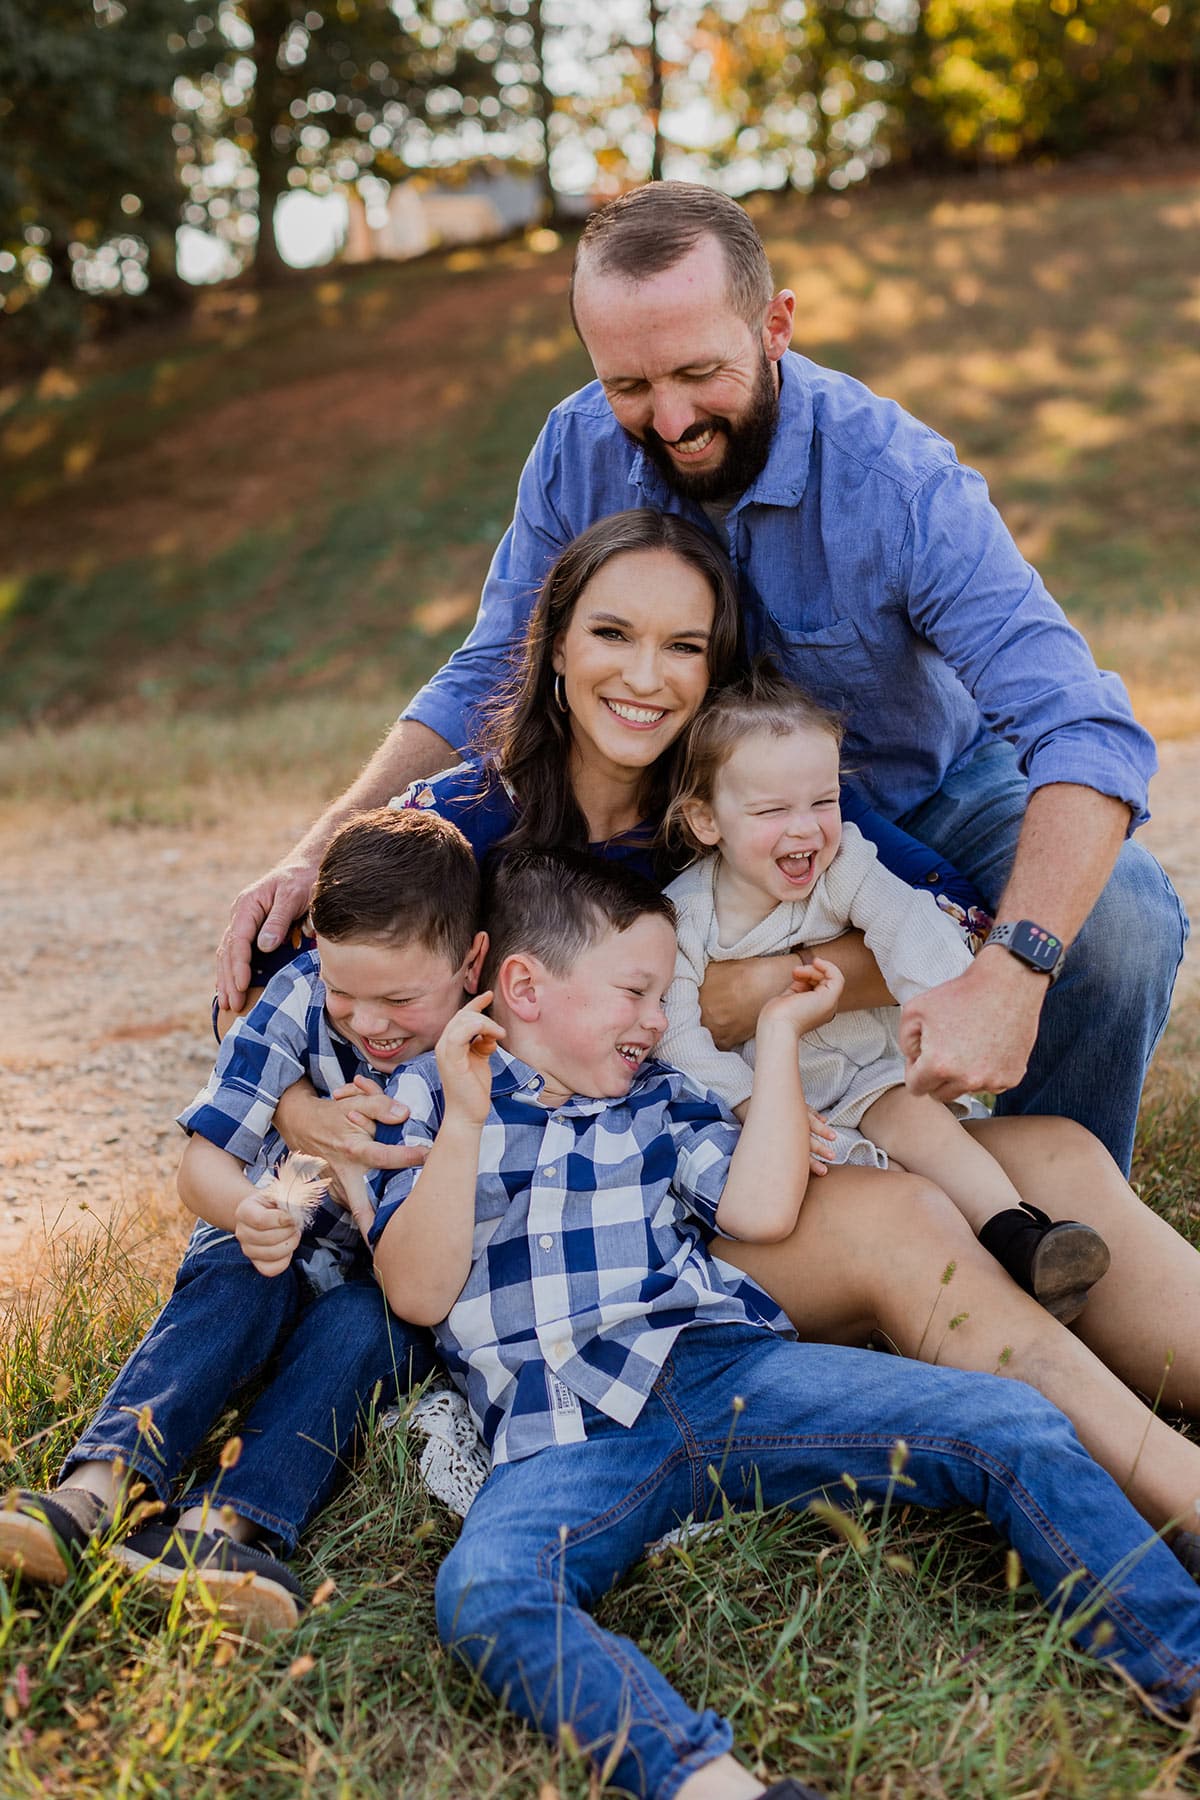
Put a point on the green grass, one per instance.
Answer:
(302, 494)
(891, 1654)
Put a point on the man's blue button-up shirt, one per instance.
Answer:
(875, 568)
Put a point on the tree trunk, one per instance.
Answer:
(544, 106)
(654, 94)
(269, 20)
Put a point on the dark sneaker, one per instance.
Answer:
(791, 1789)
(252, 1588)
(1055, 1262)
(43, 1535)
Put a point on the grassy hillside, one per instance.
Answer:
(302, 493)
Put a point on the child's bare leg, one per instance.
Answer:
(107, 1480)
(888, 1250)
(1058, 1263)
(103, 1479)
(723, 1779)
(1143, 1318)
(924, 1137)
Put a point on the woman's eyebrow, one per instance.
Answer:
(607, 618)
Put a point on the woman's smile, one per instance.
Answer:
(633, 661)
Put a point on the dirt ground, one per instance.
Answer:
(106, 980)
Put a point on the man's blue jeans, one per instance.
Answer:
(1104, 1016)
(223, 1325)
(547, 1536)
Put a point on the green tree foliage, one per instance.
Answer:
(300, 93)
(804, 87)
(89, 195)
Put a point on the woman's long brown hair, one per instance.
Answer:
(525, 735)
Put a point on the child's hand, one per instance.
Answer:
(821, 1140)
(267, 1236)
(462, 1058)
(812, 999)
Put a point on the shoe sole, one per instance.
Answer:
(253, 1603)
(30, 1548)
(1067, 1264)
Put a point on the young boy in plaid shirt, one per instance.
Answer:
(556, 1240)
(394, 911)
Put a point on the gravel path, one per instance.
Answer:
(106, 980)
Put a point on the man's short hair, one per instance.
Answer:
(652, 228)
(399, 877)
(555, 904)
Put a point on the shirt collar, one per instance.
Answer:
(512, 1076)
(785, 476)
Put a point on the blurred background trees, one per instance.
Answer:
(123, 121)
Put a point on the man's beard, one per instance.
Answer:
(747, 446)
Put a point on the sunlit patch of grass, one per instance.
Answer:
(1052, 332)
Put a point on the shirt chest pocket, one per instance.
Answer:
(834, 664)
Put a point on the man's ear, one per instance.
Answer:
(518, 984)
(474, 963)
(777, 324)
(697, 815)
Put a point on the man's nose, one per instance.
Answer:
(673, 413)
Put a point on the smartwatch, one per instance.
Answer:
(1031, 944)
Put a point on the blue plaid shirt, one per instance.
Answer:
(285, 1035)
(589, 1254)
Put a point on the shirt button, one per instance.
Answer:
(560, 1351)
(551, 1172)
(546, 1241)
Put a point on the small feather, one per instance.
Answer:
(296, 1186)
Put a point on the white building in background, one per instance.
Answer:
(418, 217)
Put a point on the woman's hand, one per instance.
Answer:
(462, 1054)
(341, 1130)
(266, 1234)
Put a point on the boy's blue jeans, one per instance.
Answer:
(1104, 1016)
(223, 1325)
(547, 1536)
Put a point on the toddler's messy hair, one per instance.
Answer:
(555, 904)
(760, 700)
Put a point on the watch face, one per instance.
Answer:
(1039, 947)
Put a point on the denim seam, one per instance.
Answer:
(1178, 1671)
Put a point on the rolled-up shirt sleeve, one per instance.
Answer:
(448, 702)
(970, 592)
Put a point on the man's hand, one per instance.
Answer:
(266, 909)
(267, 1236)
(462, 1059)
(975, 1032)
(341, 1129)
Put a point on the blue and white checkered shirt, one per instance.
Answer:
(285, 1035)
(588, 1257)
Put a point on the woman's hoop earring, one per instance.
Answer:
(560, 698)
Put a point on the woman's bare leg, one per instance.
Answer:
(1143, 1318)
(888, 1250)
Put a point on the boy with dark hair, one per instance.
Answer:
(556, 1239)
(263, 1283)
